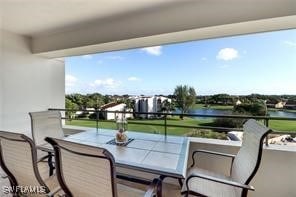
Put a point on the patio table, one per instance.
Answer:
(165, 156)
(152, 153)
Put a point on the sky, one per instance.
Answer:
(263, 63)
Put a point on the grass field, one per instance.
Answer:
(283, 125)
(147, 128)
(278, 125)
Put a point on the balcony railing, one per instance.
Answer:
(165, 125)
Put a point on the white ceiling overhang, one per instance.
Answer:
(107, 25)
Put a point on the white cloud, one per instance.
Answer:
(106, 83)
(70, 80)
(133, 79)
(290, 43)
(87, 56)
(204, 59)
(156, 50)
(227, 54)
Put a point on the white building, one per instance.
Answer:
(238, 102)
(91, 110)
(149, 104)
(78, 113)
(115, 111)
(280, 105)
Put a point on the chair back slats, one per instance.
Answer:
(84, 170)
(46, 123)
(19, 159)
(247, 161)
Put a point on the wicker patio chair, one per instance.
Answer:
(201, 182)
(18, 159)
(84, 170)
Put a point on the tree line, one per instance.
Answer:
(226, 99)
(183, 98)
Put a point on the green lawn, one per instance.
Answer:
(283, 125)
(279, 125)
(148, 128)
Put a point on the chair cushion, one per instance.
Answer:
(206, 187)
(126, 191)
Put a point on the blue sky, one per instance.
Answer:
(262, 63)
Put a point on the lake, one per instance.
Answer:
(209, 111)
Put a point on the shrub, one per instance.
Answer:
(93, 116)
(82, 115)
(206, 133)
(229, 122)
(255, 109)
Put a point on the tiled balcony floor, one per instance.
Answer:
(168, 190)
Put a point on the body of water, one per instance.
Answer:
(286, 114)
(209, 111)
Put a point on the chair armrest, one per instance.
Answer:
(53, 191)
(154, 186)
(42, 158)
(45, 149)
(219, 180)
(211, 153)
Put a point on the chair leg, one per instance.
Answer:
(50, 164)
(180, 182)
(159, 189)
(162, 177)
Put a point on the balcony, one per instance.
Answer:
(277, 160)
(275, 169)
(276, 163)
(36, 36)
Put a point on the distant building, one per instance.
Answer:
(115, 109)
(92, 110)
(151, 104)
(280, 105)
(78, 113)
(238, 102)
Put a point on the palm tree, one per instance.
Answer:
(185, 98)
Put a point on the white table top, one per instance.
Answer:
(152, 153)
